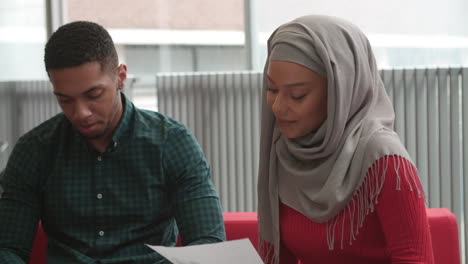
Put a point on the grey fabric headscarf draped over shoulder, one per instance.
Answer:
(319, 173)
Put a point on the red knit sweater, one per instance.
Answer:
(396, 232)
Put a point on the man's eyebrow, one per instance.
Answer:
(92, 89)
(85, 92)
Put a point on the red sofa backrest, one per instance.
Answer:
(442, 222)
(444, 235)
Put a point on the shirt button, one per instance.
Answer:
(101, 233)
(99, 196)
(99, 158)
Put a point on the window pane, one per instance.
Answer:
(402, 33)
(169, 36)
(22, 38)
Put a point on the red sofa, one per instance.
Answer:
(443, 225)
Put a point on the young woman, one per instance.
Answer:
(335, 184)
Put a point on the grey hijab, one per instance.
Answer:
(318, 174)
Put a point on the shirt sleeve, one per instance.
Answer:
(197, 207)
(19, 204)
(402, 213)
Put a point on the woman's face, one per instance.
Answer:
(298, 98)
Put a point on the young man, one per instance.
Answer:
(103, 177)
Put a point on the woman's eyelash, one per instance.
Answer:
(298, 97)
(272, 90)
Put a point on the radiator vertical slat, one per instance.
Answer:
(192, 97)
(52, 104)
(174, 97)
(48, 101)
(24, 97)
(258, 103)
(463, 217)
(25, 101)
(409, 79)
(421, 128)
(456, 149)
(433, 138)
(201, 128)
(5, 121)
(215, 124)
(230, 140)
(240, 139)
(208, 114)
(34, 95)
(180, 100)
(223, 135)
(247, 139)
(234, 161)
(184, 95)
(167, 99)
(444, 137)
(42, 106)
(187, 96)
(15, 112)
(222, 139)
(161, 94)
(198, 115)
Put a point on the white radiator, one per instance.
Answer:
(23, 105)
(223, 111)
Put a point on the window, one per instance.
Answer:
(22, 39)
(403, 33)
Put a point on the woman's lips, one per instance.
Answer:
(284, 123)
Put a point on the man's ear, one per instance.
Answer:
(122, 75)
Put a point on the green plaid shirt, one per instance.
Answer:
(152, 181)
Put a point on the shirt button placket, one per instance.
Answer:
(99, 195)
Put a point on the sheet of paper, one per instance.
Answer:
(230, 252)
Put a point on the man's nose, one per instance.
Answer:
(82, 111)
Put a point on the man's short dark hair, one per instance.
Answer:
(80, 42)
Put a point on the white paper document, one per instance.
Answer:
(229, 252)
